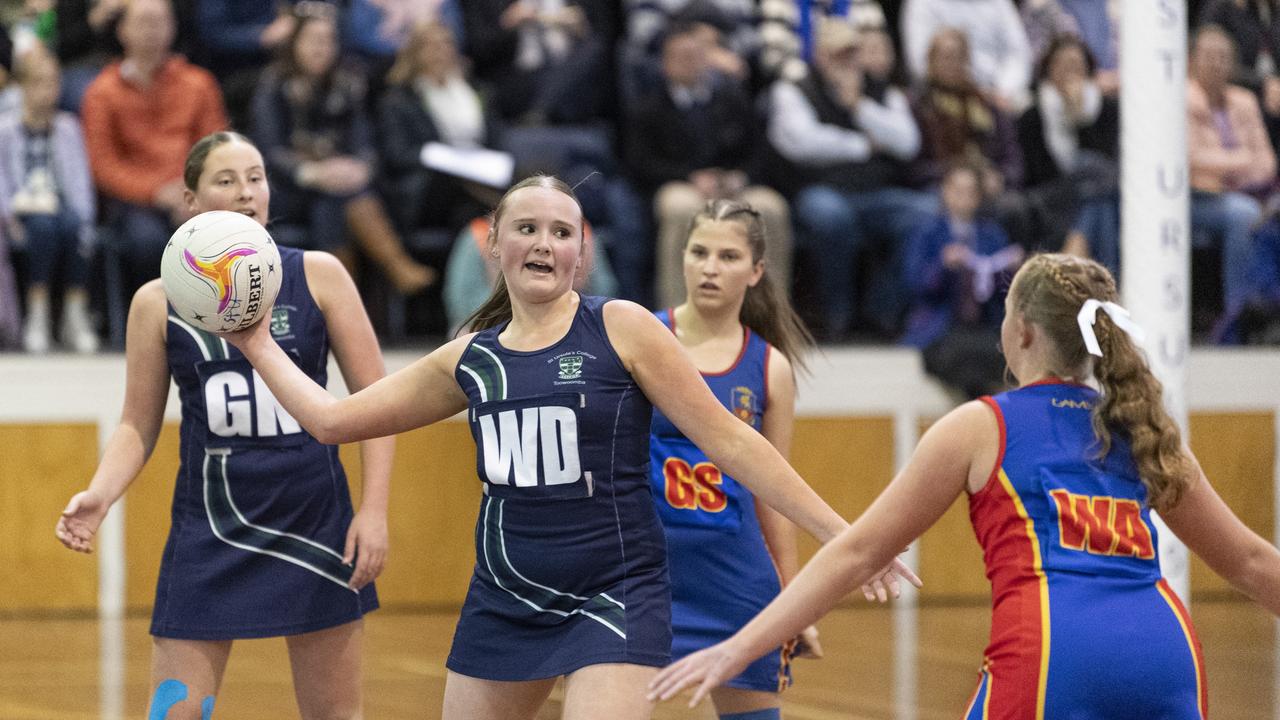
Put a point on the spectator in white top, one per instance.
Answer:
(1001, 55)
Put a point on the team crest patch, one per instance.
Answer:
(280, 322)
(744, 405)
(570, 367)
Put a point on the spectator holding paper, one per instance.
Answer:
(431, 110)
(957, 271)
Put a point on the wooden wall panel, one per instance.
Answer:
(847, 461)
(1237, 452)
(435, 496)
(41, 467)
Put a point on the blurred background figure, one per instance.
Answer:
(958, 269)
(1232, 165)
(47, 205)
(310, 122)
(1000, 53)
(689, 141)
(429, 99)
(1070, 139)
(839, 146)
(140, 115)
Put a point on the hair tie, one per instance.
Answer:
(1088, 315)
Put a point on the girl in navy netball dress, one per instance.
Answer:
(728, 554)
(1061, 479)
(263, 541)
(571, 573)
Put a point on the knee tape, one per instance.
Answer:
(762, 714)
(170, 693)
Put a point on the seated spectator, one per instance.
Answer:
(1001, 56)
(430, 100)
(472, 269)
(958, 269)
(47, 204)
(86, 42)
(1254, 26)
(1230, 160)
(1258, 322)
(961, 123)
(690, 142)
(140, 116)
(546, 61)
(310, 122)
(1089, 20)
(1070, 140)
(840, 145)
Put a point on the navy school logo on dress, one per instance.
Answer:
(569, 366)
(280, 326)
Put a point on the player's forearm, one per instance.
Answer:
(1259, 575)
(376, 456)
(833, 573)
(126, 452)
(755, 463)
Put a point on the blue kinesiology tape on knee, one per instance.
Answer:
(168, 693)
(763, 714)
(206, 708)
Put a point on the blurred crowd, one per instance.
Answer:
(906, 156)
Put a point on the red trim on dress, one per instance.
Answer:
(995, 471)
(1052, 380)
(746, 340)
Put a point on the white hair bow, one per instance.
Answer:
(1089, 314)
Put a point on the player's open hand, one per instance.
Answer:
(888, 582)
(706, 669)
(367, 546)
(80, 520)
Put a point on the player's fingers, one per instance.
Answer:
(881, 594)
(904, 571)
(868, 593)
(703, 690)
(349, 552)
(895, 587)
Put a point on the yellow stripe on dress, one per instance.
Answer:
(1191, 645)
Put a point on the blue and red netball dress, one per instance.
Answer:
(570, 560)
(1083, 625)
(260, 508)
(721, 572)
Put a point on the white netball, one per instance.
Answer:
(221, 271)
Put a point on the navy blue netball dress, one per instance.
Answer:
(570, 559)
(260, 508)
(721, 572)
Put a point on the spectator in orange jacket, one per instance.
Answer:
(140, 116)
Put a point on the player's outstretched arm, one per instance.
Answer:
(938, 472)
(420, 394)
(1242, 557)
(355, 346)
(669, 379)
(131, 443)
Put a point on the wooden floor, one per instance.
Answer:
(50, 668)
